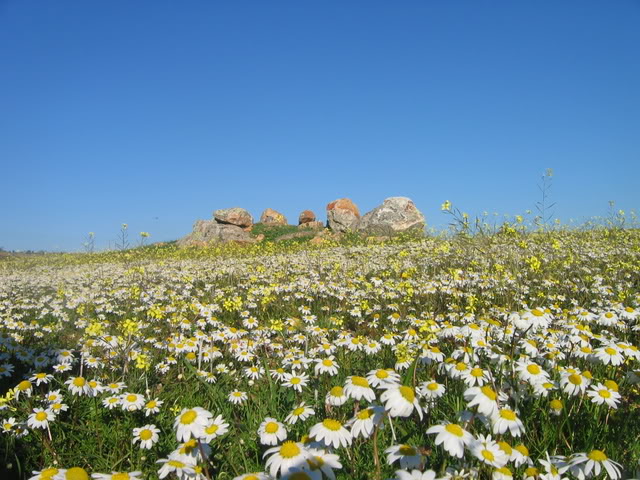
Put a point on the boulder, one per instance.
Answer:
(395, 215)
(234, 216)
(273, 217)
(307, 216)
(342, 215)
(207, 231)
(311, 225)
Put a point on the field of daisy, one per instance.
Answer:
(511, 355)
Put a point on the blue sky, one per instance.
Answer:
(155, 113)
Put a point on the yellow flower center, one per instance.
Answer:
(488, 455)
(176, 463)
(365, 414)
(271, 427)
(289, 450)
(327, 362)
(7, 426)
(120, 476)
(575, 379)
(251, 477)
(407, 393)
(610, 351)
(454, 429)
(41, 416)
(537, 313)
(77, 473)
(331, 424)
(40, 375)
(360, 382)
(597, 456)
(604, 393)
(477, 372)
(488, 392)
(151, 404)
(24, 385)
(79, 382)
(407, 450)
(146, 434)
(48, 473)
(132, 398)
(336, 391)
(555, 404)
(507, 414)
(213, 428)
(295, 380)
(461, 366)
(523, 450)
(382, 374)
(433, 386)
(188, 417)
(533, 369)
(505, 447)
(531, 472)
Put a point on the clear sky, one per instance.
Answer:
(155, 113)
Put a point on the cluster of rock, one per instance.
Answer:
(395, 215)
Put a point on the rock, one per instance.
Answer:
(273, 217)
(207, 231)
(234, 216)
(311, 225)
(342, 215)
(395, 215)
(307, 216)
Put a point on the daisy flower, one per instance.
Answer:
(152, 406)
(592, 463)
(507, 420)
(326, 365)
(169, 465)
(41, 378)
(408, 456)
(237, 397)
(111, 402)
(301, 412)
(400, 401)
(365, 421)
(216, 428)
(431, 390)
(117, 476)
(358, 388)
(332, 433)
(336, 397)
(574, 383)
(25, 387)
(47, 473)
(191, 423)
(295, 381)
(485, 398)
(40, 418)
(147, 436)
(131, 401)
(489, 452)
(53, 396)
(284, 458)
(601, 394)
(609, 355)
(322, 462)
(452, 437)
(475, 376)
(78, 386)
(271, 431)
(382, 376)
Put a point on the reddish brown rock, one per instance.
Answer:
(273, 217)
(342, 215)
(312, 225)
(234, 216)
(307, 216)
